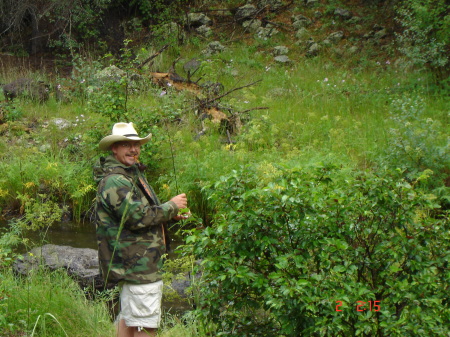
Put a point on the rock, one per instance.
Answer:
(44, 148)
(252, 25)
(280, 50)
(377, 33)
(301, 21)
(111, 73)
(318, 14)
(381, 34)
(204, 31)
(302, 34)
(198, 19)
(312, 3)
(266, 32)
(36, 90)
(313, 50)
(343, 13)
(283, 59)
(353, 50)
(309, 42)
(335, 37)
(355, 20)
(61, 123)
(192, 65)
(214, 47)
(326, 43)
(81, 263)
(270, 4)
(245, 12)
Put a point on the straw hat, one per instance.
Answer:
(122, 132)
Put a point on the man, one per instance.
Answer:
(130, 231)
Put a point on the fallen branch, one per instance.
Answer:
(206, 103)
(152, 57)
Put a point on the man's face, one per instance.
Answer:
(126, 152)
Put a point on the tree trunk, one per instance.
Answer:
(37, 41)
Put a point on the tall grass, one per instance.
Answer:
(50, 304)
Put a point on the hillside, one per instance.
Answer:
(313, 147)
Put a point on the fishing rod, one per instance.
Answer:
(173, 157)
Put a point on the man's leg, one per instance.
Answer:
(124, 330)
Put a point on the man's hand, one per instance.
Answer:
(182, 216)
(180, 200)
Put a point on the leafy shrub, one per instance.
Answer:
(9, 240)
(419, 142)
(9, 113)
(425, 37)
(286, 251)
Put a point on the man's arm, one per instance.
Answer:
(124, 199)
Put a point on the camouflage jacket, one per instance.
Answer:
(129, 224)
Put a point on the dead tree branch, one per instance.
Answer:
(153, 56)
(207, 102)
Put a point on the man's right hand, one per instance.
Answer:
(180, 200)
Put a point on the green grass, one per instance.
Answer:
(50, 304)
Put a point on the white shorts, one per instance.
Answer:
(140, 304)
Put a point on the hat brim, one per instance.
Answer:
(105, 143)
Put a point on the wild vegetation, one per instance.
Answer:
(319, 187)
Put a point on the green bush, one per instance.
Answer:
(289, 249)
(419, 143)
(425, 37)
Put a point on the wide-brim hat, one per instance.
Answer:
(122, 132)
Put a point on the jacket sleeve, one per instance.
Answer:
(127, 203)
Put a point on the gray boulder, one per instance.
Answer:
(192, 65)
(204, 31)
(377, 33)
(280, 50)
(111, 73)
(343, 13)
(80, 263)
(266, 32)
(61, 123)
(301, 21)
(198, 19)
(270, 4)
(302, 34)
(313, 50)
(36, 90)
(283, 59)
(245, 12)
(335, 37)
(312, 3)
(381, 34)
(252, 25)
(214, 47)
